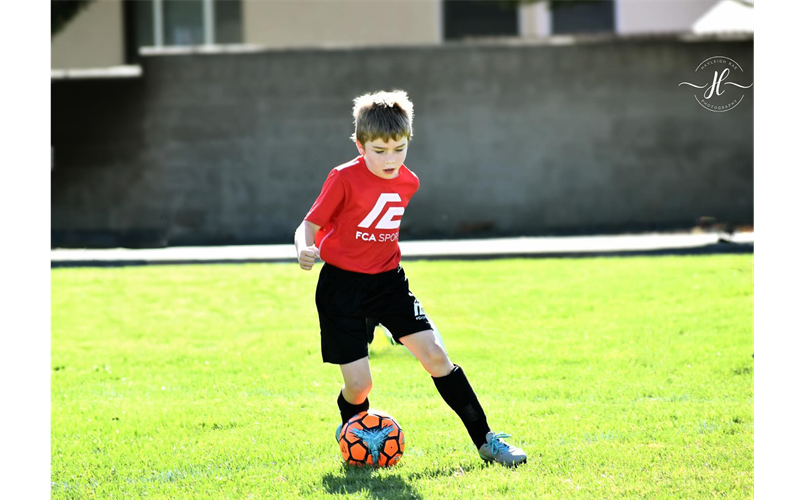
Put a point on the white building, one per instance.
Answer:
(111, 32)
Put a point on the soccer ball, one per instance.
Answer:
(372, 438)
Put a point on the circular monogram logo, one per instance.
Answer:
(722, 92)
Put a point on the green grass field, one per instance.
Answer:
(621, 377)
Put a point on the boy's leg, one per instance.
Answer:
(388, 334)
(451, 383)
(424, 346)
(354, 395)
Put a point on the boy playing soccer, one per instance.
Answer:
(353, 227)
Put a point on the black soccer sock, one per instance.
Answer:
(458, 394)
(349, 410)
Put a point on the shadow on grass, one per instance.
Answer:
(354, 480)
(456, 471)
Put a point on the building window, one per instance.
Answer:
(182, 22)
(479, 18)
(228, 21)
(170, 23)
(580, 16)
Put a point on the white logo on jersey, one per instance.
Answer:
(419, 311)
(380, 237)
(385, 222)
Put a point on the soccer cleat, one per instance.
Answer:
(338, 433)
(497, 450)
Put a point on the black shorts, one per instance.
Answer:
(351, 304)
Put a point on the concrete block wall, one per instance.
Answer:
(510, 139)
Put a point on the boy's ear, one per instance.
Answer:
(360, 147)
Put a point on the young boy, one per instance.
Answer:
(353, 227)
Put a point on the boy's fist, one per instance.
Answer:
(307, 257)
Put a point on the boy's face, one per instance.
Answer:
(384, 158)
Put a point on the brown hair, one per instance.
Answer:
(383, 115)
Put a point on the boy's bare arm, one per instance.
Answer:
(305, 241)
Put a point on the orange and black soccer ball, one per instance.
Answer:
(372, 438)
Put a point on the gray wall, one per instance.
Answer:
(509, 140)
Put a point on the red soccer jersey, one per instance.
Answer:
(359, 214)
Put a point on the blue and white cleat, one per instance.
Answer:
(338, 433)
(497, 450)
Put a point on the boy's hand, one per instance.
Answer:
(307, 257)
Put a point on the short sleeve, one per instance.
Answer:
(329, 202)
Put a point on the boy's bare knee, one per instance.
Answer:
(357, 390)
(439, 355)
(357, 380)
(436, 361)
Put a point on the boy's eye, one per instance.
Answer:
(397, 150)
